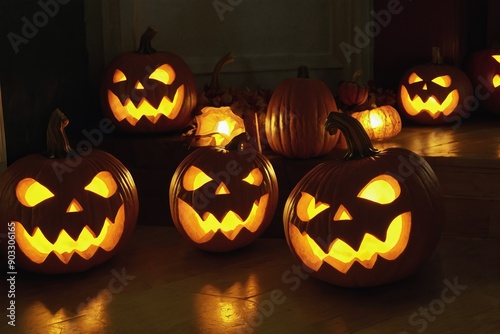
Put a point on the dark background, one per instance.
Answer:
(51, 70)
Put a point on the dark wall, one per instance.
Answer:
(43, 66)
(458, 27)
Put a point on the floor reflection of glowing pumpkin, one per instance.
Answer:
(216, 309)
(90, 318)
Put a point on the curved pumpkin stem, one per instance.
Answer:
(356, 75)
(57, 142)
(226, 59)
(238, 142)
(436, 55)
(359, 144)
(303, 72)
(145, 43)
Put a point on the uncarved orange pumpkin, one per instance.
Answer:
(296, 115)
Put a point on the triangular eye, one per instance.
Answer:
(383, 189)
(307, 208)
(414, 78)
(443, 81)
(119, 76)
(194, 178)
(165, 74)
(254, 177)
(30, 192)
(496, 57)
(103, 184)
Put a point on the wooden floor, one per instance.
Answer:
(162, 284)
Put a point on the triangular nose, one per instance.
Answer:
(138, 85)
(342, 214)
(74, 206)
(222, 189)
(425, 87)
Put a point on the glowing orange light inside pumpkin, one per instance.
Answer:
(201, 229)
(341, 256)
(30, 192)
(307, 208)
(342, 214)
(254, 178)
(165, 74)
(37, 247)
(417, 105)
(383, 189)
(217, 126)
(379, 122)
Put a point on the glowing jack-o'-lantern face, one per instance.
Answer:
(358, 221)
(67, 216)
(223, 199)
(37, 247)
(432, 94)
(149, 91)
(340, 254)
(484, 71)
(496, 78)
(152, 99)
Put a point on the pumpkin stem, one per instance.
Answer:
(359, 144)
(436, 55)
(238, 142)
(145, 43)
(356, 75)
(226, 59)
(57, 142)
(303, 72)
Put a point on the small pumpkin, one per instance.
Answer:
(295, 117)
(434, 93)
(148, 90)
(216, 127)
(223, 198)
(353, 93)
(68, 211)
(371, 218)
(379, 123)
(484, 69)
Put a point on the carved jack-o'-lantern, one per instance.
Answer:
(149, 91)
(68, 212)
(223, 198)
(361, 221)
(434, 93)
(484, 71)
